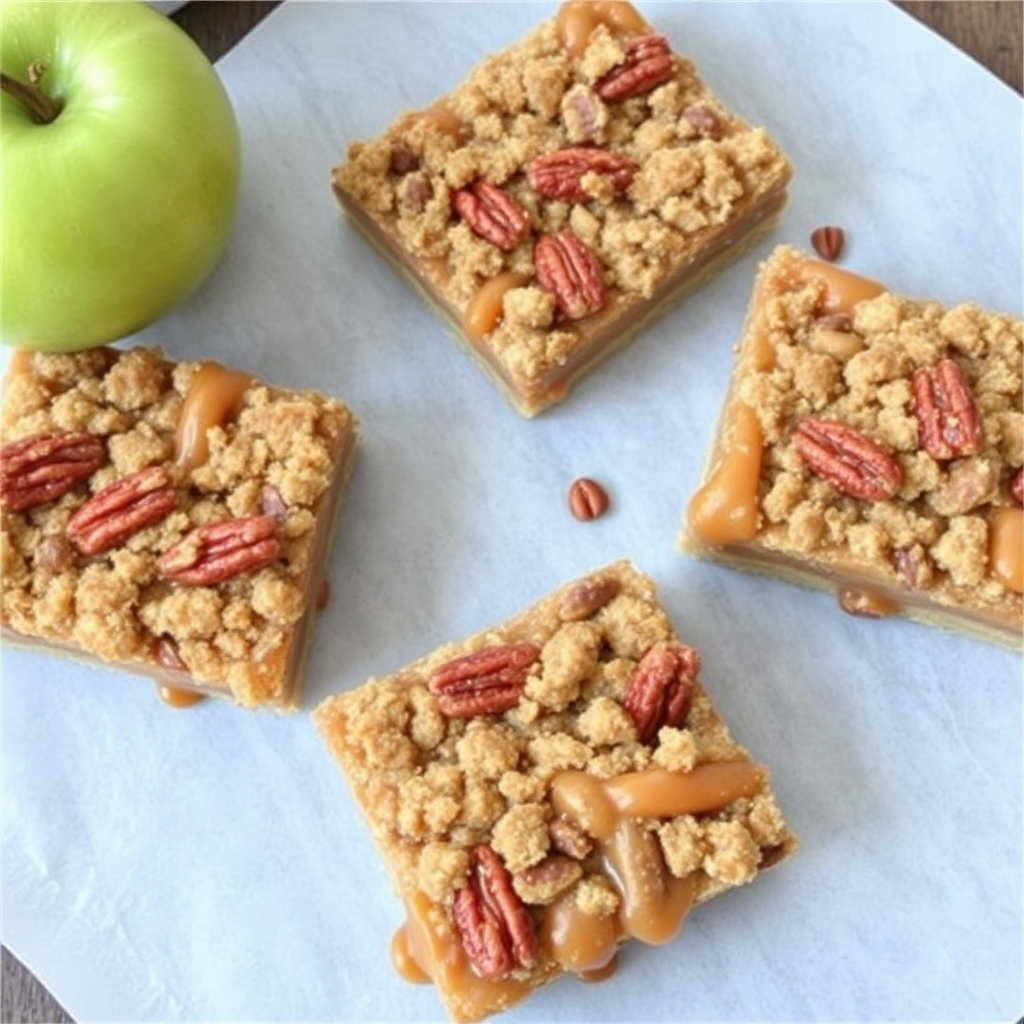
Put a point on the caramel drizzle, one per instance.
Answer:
(577, 19)
(726, 509)
(1006, 548)
(214, 396)
(178, 696)
(485, 308)
(654, 903)
(866, 603)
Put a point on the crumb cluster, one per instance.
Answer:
(279, 453)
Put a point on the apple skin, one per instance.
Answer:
(120, 207)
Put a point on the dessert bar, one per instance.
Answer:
(871, 444)
(549, 789)
(170, 519)
(571, 186)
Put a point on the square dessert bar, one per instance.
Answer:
(548, 789)
(568, 189)
(871, 444)
(170, 519)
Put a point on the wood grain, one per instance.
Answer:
(991, 31)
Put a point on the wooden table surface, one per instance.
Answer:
(991, 31)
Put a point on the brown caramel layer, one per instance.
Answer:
(235, 449)
(605, 838)
(945, 545)
(706, 185)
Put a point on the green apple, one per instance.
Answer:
(119, 163)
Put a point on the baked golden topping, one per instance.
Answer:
(167, 518)
(587, 168)
(872, 443)
(550, 788)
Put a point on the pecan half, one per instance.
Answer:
(587, 598)
(221, 551)
(569, 838)
(55, 554)
(842, 322)
(559, 175)
(165, 650)
(828, 242)
(403, 159)
(648, 64)
(704, 121)
(272, 504)
(1017, 486)
(588, 500)
(947, 416)
(121, 509)
(543, 882)
(840, 345)
(584, 115)
(492, 213)
(661, 688)
(496, 929)
(968, 484)
(913, 565)
(568, 269)
(415, 192)
(485, 683)
(44, 467)
(848, 459)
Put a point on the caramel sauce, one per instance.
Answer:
(178, 696)
(654, 903)
(725, 510)
(439, 117)
(600, 973)
(214, 396)
(435, 956)
(447, 121)
(866, 603)
(599, 805)
(843, 290)
(424, 945)
(484, 309)
(405, 964)
(1006, 548)
(662, 793)
(579, 942)
(760, 353)
(577, 19)
(581, 798)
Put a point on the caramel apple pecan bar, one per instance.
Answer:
(871, 444)
(549, 789)
(568, 189)
(170, 519)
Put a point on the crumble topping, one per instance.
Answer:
(934, 533)
(699, 169)
(431, 796)
(596, 897)
(231, 637)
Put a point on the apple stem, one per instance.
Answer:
(43, 108)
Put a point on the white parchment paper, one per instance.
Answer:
(210, 864)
